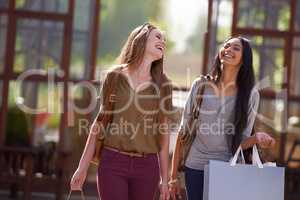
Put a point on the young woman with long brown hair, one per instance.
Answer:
(134, 160)
(227, 114)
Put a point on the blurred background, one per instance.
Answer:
(74, 41)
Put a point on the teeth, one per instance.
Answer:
(228, 56)
(159, 47)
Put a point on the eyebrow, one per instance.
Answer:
(236, 45)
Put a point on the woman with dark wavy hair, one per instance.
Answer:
(134, 160)
(227, 114)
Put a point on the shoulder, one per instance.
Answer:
(113, 71)
(202, 79)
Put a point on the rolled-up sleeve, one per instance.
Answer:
(106, 83)
(252, 112)
(187, 111)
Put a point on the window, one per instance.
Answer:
(295, 83)
(264, 14)
(42, 5)
(38, 45)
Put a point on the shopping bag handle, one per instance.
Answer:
(255, 157)
(236, 155)
(81, 193)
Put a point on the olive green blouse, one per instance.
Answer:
(135, 126)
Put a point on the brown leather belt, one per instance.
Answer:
(130, 154)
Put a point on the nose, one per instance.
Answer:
(228, 50)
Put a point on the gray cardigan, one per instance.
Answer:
(215, 121)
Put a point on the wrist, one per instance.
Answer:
(163, 183)
(174, 176)
(82, 169)
(173, 181)
(255, 139)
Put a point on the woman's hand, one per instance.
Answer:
(164, 192)
(78, 179)
(264, 140)
(175, 189)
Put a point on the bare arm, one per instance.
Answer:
(89, 148)
(184, 119)
(80, 174)
(164, 155)
(175, 160)
(248, 142)
(175, 186)
(262, 139)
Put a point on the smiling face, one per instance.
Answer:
(155, 46)
(231, 53)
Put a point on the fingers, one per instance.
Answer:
(173, 195)
(266, 141)
(172, 192)
(178, 192)
(175, 192)
(165, 195)
(75, 184)
(273, 142)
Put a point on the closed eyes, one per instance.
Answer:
(159, 36)
(236, 47)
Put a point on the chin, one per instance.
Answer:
(157, 57)
(229, 63)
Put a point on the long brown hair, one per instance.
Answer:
(132, 54)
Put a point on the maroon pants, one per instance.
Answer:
(121, 177)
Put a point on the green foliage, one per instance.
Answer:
(284, 18)
(223, 33)
(196, 41)
(119, 18)
(17, 128)
(20, 3)
(256, 63)
(53, 121)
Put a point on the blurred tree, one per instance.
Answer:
(17, 131)
(196, 41)
(119, 18)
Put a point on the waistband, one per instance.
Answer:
(130, 154)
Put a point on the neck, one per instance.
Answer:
(144, 68)
(229, 75)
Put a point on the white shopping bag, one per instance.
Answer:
(232, 181)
